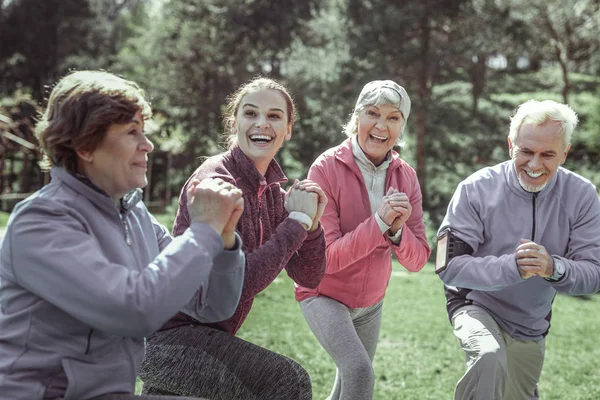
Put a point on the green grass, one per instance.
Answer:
(418, 357)
(3, 218)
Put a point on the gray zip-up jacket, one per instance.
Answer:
(82, 282)
(491, 212)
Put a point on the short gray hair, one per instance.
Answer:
(378, 93)
(540, 112)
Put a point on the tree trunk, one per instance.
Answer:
(168, 179)
(477, 73)
(423, 93)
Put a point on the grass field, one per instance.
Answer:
(418, 357)
(3, 218)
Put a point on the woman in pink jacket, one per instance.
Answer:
(374, 208)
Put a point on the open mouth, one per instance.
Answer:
(261, 139)
(377, 139)
(534, 175)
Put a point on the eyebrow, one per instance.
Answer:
(270, 109)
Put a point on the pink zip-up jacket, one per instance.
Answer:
(271, 240)
(359, 256)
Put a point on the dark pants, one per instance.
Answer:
(118, 396)
(205, 362)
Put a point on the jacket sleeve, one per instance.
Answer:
(344, 250)
(487, 273)
(413, 250)
(59, 261)
(582, 259)
(219, 300)
(307, 265)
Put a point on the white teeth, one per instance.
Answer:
(379, 137)
(260, 137)
(534, 175)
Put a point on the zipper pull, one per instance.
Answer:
(127, 234)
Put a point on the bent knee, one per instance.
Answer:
(491, 358)
(361, 369)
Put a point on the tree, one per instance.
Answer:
(565, 32)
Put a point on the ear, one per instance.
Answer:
(510, 147)
(288, 135)
(564, 156)
(86, 156)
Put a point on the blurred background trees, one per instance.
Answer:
(465, 63)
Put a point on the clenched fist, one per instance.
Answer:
(214, 202)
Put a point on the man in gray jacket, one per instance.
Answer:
(514, 235)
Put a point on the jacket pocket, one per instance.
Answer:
(89, 377)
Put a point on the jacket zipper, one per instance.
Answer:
(533, 227)
(126, 229)
(89, 341)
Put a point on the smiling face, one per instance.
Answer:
(537, 153)
(119, 163)
(261, 125)
(378, 129)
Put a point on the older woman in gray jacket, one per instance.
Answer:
(86, 272)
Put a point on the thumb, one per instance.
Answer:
(390, 191)
(523, 241)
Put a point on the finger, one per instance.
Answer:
(389, 191)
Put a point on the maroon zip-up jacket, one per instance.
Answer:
(271, 240)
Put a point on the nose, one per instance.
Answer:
(146, 145)
(262, 122)
(380, 124)
(535, 162)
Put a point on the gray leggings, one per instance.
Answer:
(204, 362)
(350, 337)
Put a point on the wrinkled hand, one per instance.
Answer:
(399, 203)
(386, 212)
(301, 201)
(533, 259)
(212, 201)
(312, 187)
(228, 234)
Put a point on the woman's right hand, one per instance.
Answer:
(386, 212)
(301, 201)
(213, 201)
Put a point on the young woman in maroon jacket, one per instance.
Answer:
(279, 230)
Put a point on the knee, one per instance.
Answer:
(491, 359)
(299, 373)
(360, 369)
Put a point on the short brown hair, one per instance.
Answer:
(80, 109)
(254, 85)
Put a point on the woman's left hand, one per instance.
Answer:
(313, 187)
(400, 203)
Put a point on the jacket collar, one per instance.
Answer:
(85, 187)
(247, 172)
(344, 153)
(513, 182)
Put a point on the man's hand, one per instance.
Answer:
(533, 259)
(213, 201)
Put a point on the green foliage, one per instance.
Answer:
(4, 218)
